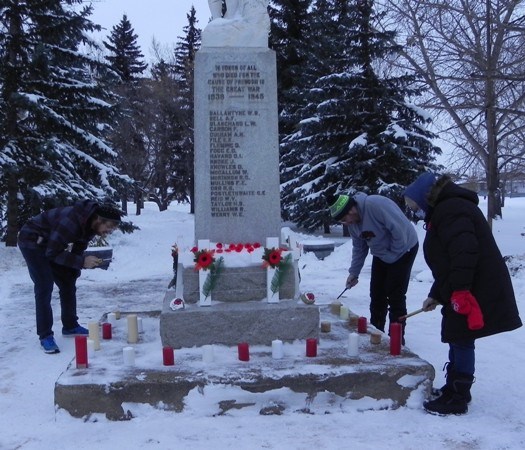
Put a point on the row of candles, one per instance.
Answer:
(85, 346)
(243, 348)
(395, 330)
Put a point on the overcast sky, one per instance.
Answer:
(162, 19)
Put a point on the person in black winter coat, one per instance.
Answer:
(53, 243)
(471, 281)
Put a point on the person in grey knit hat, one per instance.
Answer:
(378, 226)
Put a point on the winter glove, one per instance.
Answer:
(351, 281)
(465, 303)
(429, 304)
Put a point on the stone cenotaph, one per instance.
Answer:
(236, 194)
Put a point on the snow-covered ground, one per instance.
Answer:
(27, 375)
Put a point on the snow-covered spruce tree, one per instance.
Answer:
(125, 55)
(290, 20)
(360, 131)
(167, 136)
(294, 147)
(127, 60)
(187, 47)
(54, 110)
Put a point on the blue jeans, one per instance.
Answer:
(44, 274)
(462, 356)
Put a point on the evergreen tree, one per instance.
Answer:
(126, 59)
(185, 51)
(359, 130)
(289, 37)
(54, 109)
(125, 56)
(167, 181)
(290, 25)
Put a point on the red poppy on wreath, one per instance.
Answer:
(203, 259)
(272, 257)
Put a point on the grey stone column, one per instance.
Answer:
(236, 145)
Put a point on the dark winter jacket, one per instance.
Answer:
(64, 233)
(462, 254)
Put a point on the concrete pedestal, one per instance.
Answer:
(230, 323)
(332, 381)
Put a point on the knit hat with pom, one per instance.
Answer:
(340, 205)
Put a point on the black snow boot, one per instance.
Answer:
(454, 399)
(436, 392)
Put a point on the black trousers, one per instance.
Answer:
(388, 288)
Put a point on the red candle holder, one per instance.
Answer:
(395, 338)
(81, 353)
(106, 331)
(244, 351)
(311, 347)
(362, 325)
(168, 356)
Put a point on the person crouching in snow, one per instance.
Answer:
(471, 281)
(53, 243)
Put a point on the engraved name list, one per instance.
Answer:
(234, 94)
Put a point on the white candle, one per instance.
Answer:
(353, 344)
(94, 334)
(112, 319)
(90, 348)
(129, 356)
(139, 325)
(277, 349)
(133, 329)
(208, 354)
(343, 313)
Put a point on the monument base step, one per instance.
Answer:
(330, 382)
(230, 323)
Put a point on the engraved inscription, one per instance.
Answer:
(230, 129)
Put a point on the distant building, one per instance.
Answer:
(513, 185)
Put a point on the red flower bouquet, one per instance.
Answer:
(272, 257)
(203, 258)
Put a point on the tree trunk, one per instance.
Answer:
(124, 201)
(12, 210)
(9, 88)
(138, 201)
(493, 205)
(192, 197)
